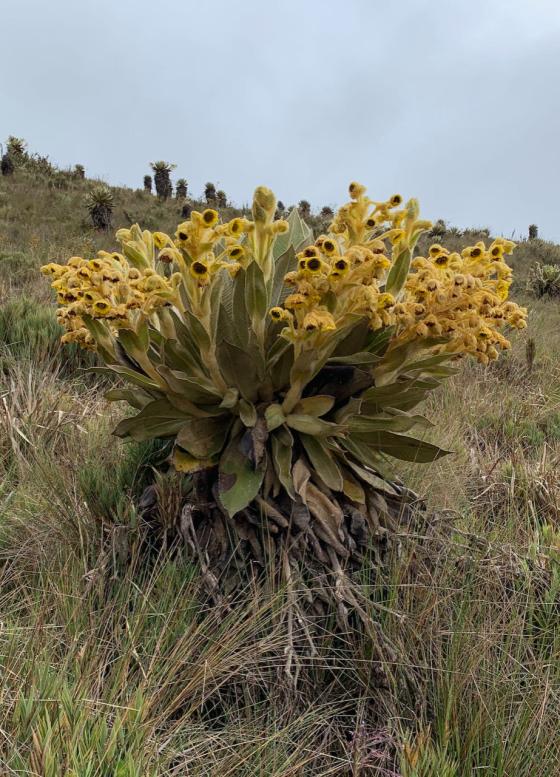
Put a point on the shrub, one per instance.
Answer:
(530, 251)
(533, 231)
(284, 373)
(544, 280)
(148, 183)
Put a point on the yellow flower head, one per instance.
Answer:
(182, 232)
(396, 236)
(236, 252)
(385, 301)
(280, 227)
(436, 249)
(310, 251)
(210, 217)
(279, 314)
(199, 270)
(356, 190)
(502, 289)
(101, 307)
(497, 252)
(295, 301)
(475, 252)
(235, 227)
(168, 255)
(155, 283)
(56, 270)
(319, 319)
(314, 265)
(328, 246)
(161, 240)
(395, 200)
(340, 266)
(441, 261)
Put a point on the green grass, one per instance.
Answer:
(113, 664)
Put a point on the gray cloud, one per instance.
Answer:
(454, 102)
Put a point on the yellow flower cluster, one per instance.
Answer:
(203, 246)
(459, 298)
(121, 289)
(107, 288)
(462, 298)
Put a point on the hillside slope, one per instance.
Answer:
(110, 665)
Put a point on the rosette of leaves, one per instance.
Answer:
(181, 189)
(210, 193)
(17, 147)
(99, 202)
(162, 178)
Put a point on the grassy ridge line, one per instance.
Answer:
(110, 668)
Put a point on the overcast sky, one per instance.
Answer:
(456, 102)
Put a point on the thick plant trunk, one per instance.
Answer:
(101, 217)
(318, 553)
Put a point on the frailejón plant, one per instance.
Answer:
(285, 372)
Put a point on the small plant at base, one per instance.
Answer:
(284, 372)
(99, 203)
(186, 210)
(148, 183)
(181, 189)
(162, 179)
(79, 171)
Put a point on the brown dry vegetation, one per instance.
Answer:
(111, 664)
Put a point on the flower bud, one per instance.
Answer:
(264, 205)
